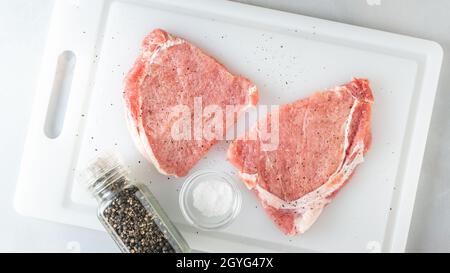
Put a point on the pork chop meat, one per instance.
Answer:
(171, 71)
(322, 139)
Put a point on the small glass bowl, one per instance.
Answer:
(193, 215)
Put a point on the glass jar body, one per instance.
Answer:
(137, 223)
(129, 211)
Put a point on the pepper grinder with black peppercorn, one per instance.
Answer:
(129, 211)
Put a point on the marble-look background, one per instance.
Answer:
(23, 28)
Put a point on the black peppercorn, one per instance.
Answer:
(130, 212)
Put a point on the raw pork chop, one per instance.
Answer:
(321, 141)
(171, 71)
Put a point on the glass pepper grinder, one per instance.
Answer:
(129, 211)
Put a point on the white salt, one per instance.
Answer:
(213, 198)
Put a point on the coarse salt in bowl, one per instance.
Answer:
(210, 199)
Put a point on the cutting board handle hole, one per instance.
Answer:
(60, 94)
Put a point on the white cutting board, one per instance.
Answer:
(288, 56)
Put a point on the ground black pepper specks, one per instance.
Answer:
(135, 225)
